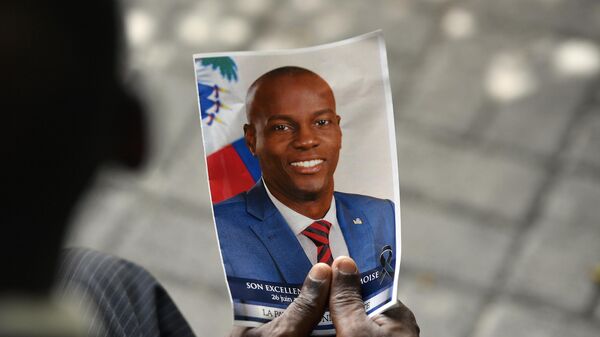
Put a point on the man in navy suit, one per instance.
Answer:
(294, 132)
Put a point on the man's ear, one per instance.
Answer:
(250, 136)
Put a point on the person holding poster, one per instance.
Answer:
(129, 301)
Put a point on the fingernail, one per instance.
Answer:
(318, 272)
(346, 266)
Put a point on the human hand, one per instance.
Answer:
(348, 311)
(345, 304)
(305, 312)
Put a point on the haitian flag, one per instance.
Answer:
(231, 167)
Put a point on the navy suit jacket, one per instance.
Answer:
(257, 243)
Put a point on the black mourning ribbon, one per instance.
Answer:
(385, 259)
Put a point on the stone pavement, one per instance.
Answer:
(497, 107)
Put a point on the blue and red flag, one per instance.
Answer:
(232, 169)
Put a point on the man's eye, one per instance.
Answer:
(281, 127)
(323, 122)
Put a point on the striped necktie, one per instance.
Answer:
(318, 233)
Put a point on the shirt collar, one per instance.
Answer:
(297, 221)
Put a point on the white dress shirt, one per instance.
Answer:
(299, 222)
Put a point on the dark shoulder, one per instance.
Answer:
(88, 267)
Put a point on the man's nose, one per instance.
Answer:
(305, 139)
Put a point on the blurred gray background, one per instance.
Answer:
(497, 107)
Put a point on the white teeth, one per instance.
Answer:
(308, 163)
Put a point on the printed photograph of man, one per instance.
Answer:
(293, 217)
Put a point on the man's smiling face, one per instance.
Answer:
(295, 133)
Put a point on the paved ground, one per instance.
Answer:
(497, 109)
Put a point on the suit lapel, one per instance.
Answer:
(276, 236)
(358, 236)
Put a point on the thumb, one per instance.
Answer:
(345, 301)
(300, 318)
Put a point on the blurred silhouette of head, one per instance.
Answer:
(66, 112)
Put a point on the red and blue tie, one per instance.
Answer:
(318, 232)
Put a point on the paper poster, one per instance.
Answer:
(301, 157)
